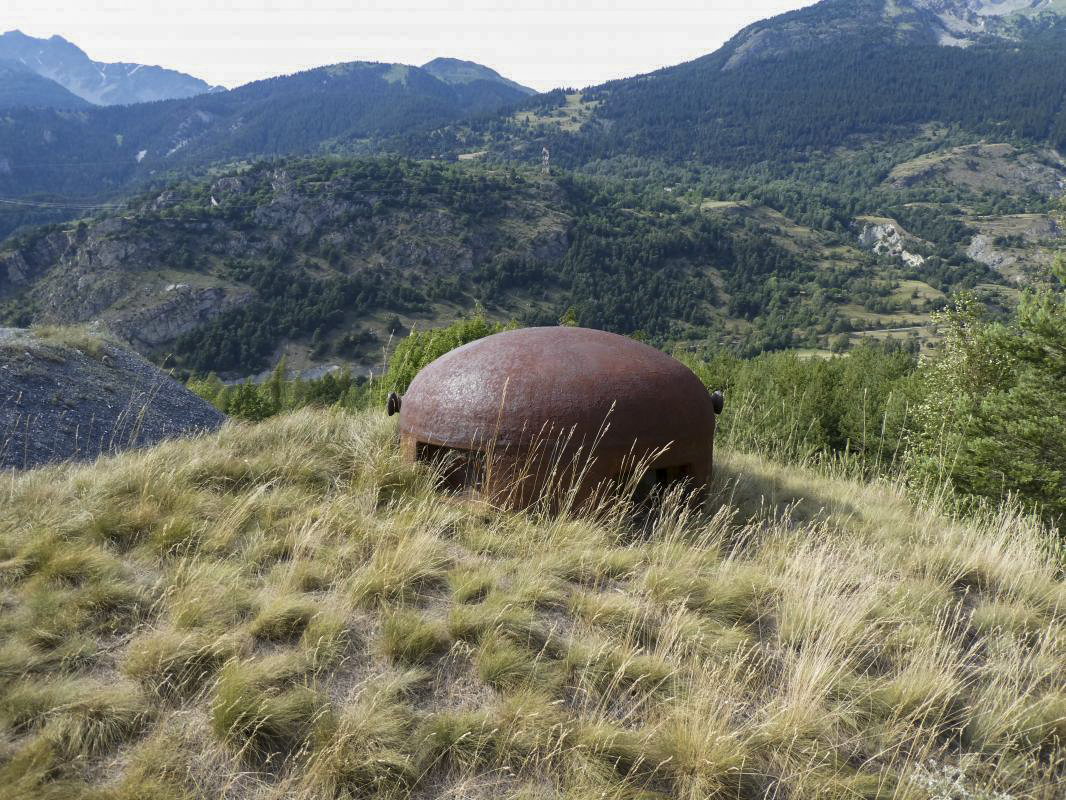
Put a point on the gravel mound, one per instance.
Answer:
(69, 396)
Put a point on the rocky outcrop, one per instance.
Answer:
(180, 310)
(73, 397)
(995, 167)
(960, 23)
(550, 245)
(982, 249)
(885, 239)
(1018, 245)
(19, 268)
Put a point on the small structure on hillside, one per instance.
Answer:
(516, 415)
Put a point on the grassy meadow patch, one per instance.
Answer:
(288, 610)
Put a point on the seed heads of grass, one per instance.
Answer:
(458, 740)
(400, 570)
(364, 750)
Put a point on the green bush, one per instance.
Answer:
(797, 408)
(993, 421)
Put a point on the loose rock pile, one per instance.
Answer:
(77, 398)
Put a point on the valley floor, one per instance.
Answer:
(288, 610)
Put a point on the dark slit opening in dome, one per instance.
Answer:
(660, 480)
(460, 471)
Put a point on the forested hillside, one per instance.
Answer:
(808, 197)
(22, 88)
(325, 259)
(52, 155)
(786, 107)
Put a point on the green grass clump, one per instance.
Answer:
(176, 663)
(609, 670)
(497, 616)
(363, 751)
(470, 584)
(619, 613)
(97, 721)
(458, 740)
(329, 637)
(401, 570)
(282, 619)
(75, 717)
(408, 637)
(209, 595)
(504, 665)
(258, 714)
(26, 704)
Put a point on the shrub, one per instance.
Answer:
(422, 347)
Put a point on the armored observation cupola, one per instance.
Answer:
(512, 413)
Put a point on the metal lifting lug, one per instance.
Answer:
(393, 404)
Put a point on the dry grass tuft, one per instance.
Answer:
(289, 610)
(410, 638)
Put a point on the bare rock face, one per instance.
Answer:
(1021, 246)
(550, 245)
(75, 398)
(986, 167)
(983, 250)
(957, 22)
(886, 239)
(177, 310)
(21, 267)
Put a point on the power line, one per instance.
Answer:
(33, 164)
(10, 201)
(436, 185)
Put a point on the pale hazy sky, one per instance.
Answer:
(543, 44)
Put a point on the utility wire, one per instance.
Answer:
(10, 201)
(388, 187)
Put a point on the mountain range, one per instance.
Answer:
(804, 82)
(952, 23)
(801, 82)
(97, 82)
(21, 87)
(836, 171)
(46, 151)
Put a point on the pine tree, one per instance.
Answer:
(1019, 434)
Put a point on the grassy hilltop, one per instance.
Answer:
(288, 610)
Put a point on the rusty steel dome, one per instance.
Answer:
(560, 390)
